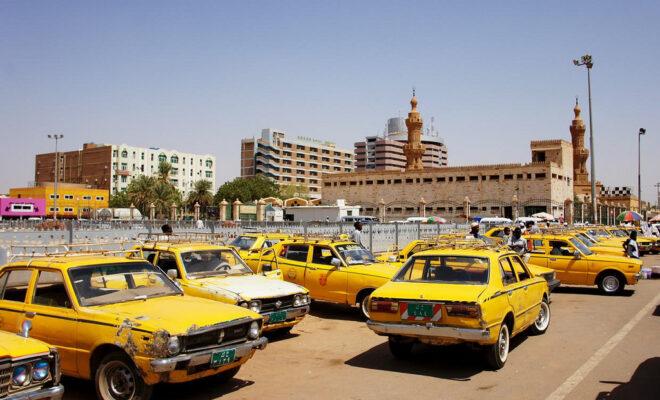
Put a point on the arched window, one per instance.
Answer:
(124, 153)
(174, 159)
(162, 157)
(209, 163)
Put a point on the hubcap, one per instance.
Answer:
(544, 317)
(611, 283)
(503, 343)
(365, 306)
(119, 382)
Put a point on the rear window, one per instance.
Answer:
(243, 242)
(14, 284)
(295, 252)
(445, 269)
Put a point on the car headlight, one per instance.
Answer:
(244, 304)
(297, 300)
(40, 370)
(20, 376)
(255, 306)
(253, 333)
(173, 345)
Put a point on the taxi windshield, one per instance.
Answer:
(243, 242)
(619, 233)
(201, 263)
(355, 254)
(580, 246)
(600, 233)
(586, 239)
(119, 282)
(458, 270)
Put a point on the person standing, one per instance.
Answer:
(356, 236)
(506, 235)
(517, 243)
(630, 245)
(474, 231)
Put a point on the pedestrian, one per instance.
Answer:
(167, 229)
(630, 245)
(506, 235)
(327, 219)
(356, 236)
(474, 231)
(200, 224)
(517, 243)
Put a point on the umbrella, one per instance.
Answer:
(437, 220)
(628, 216)
(655, 219)
(544, 216)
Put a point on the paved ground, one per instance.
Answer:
(597, 347)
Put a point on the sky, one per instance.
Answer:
(198, 76)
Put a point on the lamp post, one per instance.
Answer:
(587, 62)
(56, 137)
(642, 131)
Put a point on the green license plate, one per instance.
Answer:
(223, 357)
(423, 310)
(277, 316)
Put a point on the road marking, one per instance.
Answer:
(569, 384)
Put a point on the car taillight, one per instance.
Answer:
(384, 306)
(463, 310)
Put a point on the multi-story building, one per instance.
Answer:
(73, 200)
(112, 166)
(386, 153)
(298, 162)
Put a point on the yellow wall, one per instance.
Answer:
(70, 199)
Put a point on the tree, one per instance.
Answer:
(246, 189)
(289, 191)
(119, 200)
(144, 190)
(201, 194)
(164, 171)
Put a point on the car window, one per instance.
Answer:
(559, 248)
(269, 243)
(50, 290)
(295, 252)
(201, 263)
(149, 255)
(462, 270)
(508, 277)
(243, 242)
(519, 268)
(322, 255)
(15, 285)
(166, 261)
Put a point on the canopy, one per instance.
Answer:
(544, 216)
(629, 216)
(436, 220)
(655, 219)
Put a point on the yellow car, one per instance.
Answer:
(599, 247)
(616, 236)
(576, 264)
(29, 368)
(218, 273)
(646, 244)
(450, 295)
(124, 324)
(250, 245)
(337, 271)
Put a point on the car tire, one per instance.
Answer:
(400, 348)
(542, 322)
(498, 352)
(364, 305)
(117, 378)
(226, 376)
(611, 283)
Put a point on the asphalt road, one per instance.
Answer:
(596, 347)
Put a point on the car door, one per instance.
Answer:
(514, 292)
(570, 269)
(54, 320)
(292, 260)
(537, 253)
(14, 285)
(166, 261)
(325, 281)
(532, 292)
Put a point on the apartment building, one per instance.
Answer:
(114, 166)
(299, 161)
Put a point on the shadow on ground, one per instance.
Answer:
(657, 311)
(456, 362)
(592, 291)
(644, 384)
(335, 311)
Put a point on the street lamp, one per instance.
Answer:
(57, 173)
(642, 131)
(586, 61)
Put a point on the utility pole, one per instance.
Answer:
(642, 131)
(57, 137)
(657, 204)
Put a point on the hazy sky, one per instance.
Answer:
(198, 76)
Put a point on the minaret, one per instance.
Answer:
(414, 149)
(580, 153)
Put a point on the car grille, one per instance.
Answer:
(268, 305)
(5, 376)
(232, 334)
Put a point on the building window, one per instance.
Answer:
(396, 181)
(134, 154)
(162, 157)
(123, 179)
(342, 183)
(327, 184)
(68, 209)
(174, 159)
(209, 163)
(428, 180)
(68, 196)
(124, 154)
(152, 157)
(440, 179)
(142, 156)
(209, 174)
(409, 180)
(115, 153)
(474, 178)
(52, 196)
(494, 177)
(99, 198)
(460, 179)
(508, 177)
(87, 197)
(380, 182)
(124, 166)
(114, 165)
(519, 176)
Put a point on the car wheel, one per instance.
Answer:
(610, 283)
(400, 348)
(117, 378)
(225, 376)
(497, 353)
(543, 320)
(364, 305)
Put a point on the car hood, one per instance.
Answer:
(379, 269)
(13, 346)
(429, 291)
(249, 287)
(608, 258)
(175, 314)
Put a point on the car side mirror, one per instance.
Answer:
(335, 262)
(577, 254)
(172, 274)
(26, 327)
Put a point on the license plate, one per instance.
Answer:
(420, 310)
(277, 316)
(223, 357)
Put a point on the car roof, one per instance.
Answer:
(66, 261)
(181, 246)
(474, 251)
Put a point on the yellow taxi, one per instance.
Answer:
(576, 264)
(613, 249)
(617, 236)
(250, 245)
(496, 233)
(29, 368)
(646, 244)
(218, 273)
(123, 323)
(452, 295)
(333, 270)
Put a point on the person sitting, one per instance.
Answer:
(556, 249)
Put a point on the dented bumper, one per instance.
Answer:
(293, 316)
(52, 393)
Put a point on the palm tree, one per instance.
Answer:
(201, 194)
(141, 192)
(164, 170)
(164, 195)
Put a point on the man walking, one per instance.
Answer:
(356, 236)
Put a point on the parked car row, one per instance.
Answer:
(173, 309)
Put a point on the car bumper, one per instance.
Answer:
(204, 357)
(293, 316)
(430, 331)
(554, 284)
(54, 393)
